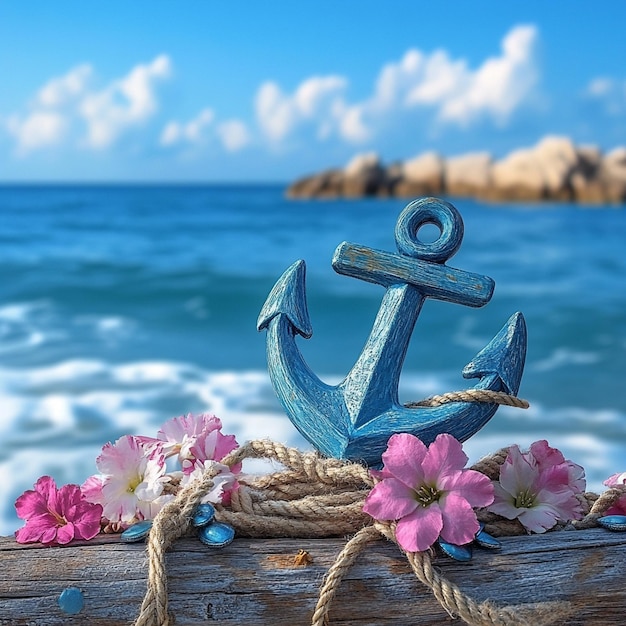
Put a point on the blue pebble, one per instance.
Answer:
(458, 553)
(136, 532)
(613, 522)
(203, 515)
(71, 601)
(485, 540)
(216, 535)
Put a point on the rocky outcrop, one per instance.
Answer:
(421, 176)
(365, 175)
(469, 174)
(555, 169)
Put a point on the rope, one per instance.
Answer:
(319, 497)
(471, 395)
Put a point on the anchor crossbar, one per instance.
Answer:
(434, 280)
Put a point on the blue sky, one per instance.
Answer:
(268, 91)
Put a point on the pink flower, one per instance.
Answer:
(130, 487)
(224, 482)
(210, 446)
(196, 437)
(546, 457)
(429, 492)
(619, 506)
(538, 487)
(56, 516)
(615, 480)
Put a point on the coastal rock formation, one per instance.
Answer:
(555, 169)
(421, 176)
(468, 175)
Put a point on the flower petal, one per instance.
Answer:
(30, 532)
(49, 534)
(419, 530)
(459, 520)
(516, 473)
(577, 479)
(390, 499)
(31, 504)
(403, 458)
(92, 488)
(565, 504)
(615, 479)
(87, 520)
(445, 455)
(65, 533)
(618, 507)
(475, 487)
(544, 455)
(69, 496)
(503, 503)
(538, 518)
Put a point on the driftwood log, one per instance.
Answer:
(254, 581)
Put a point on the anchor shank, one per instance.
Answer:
(371, 387)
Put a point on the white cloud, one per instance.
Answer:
(46, 122)
(126, 102)
(40, 129)
(59, 91)
(500, 85)
(610, 93)
(602, 86)
(315, 101)
(435, 84)
(234, 135)
(65, 100)
(439, 77)
(351, 124)
(192, 131)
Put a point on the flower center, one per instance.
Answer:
(60, 520)
(525, 499)
(426, 495)
(133, 484)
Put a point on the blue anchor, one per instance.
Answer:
(354, 420)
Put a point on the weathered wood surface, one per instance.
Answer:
(256, 581)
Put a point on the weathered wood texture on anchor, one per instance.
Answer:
(256, 582)
(354, 419)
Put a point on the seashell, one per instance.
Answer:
(485, 540)
(613, 522)
(216, 535)
(458, 553)
(203, 515)
(71, 601)
(137, 532)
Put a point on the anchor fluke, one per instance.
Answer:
(288, 297)
(504, 355)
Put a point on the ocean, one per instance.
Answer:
(123, 306)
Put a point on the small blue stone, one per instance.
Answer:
(216, 535)
(136, 532)
(613, 522)
(203, 515)
(485, 540)
(458, 553)
(71, 601)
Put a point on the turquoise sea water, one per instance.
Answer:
(123, 306)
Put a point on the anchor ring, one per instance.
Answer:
(429, 211)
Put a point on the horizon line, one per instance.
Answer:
(139, 183)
